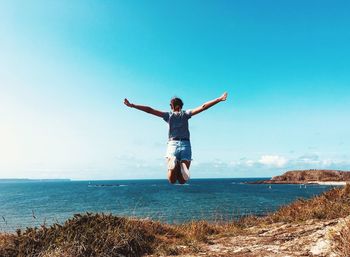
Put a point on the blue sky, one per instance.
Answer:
(65, 68)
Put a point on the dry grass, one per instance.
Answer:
(108, 235)
(88, 235)
(332, 204)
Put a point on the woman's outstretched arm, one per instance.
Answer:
(144, 108)
(209, 104)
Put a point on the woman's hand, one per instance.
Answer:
(127, 103)
(223, 97)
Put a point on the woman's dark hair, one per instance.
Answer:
(175, 101)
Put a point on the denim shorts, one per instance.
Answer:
(180, 149)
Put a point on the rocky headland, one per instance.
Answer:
(335, 177)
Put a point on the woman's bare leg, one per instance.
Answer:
(182, 178)
(172, 176)
(172, 169)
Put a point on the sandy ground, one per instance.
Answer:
(332, 183)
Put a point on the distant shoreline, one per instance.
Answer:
(303, 177)
(9, 180)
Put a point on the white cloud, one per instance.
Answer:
(266, 165)
(273, 160)
(312, 159)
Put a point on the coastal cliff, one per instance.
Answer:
(309, 176)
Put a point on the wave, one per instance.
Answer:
(107, 185)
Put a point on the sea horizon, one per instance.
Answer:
(116, 179)
(47, 202)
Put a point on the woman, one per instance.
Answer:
(179, 154)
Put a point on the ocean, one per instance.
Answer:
(28, 204)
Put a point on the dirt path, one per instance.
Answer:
(311, 238)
